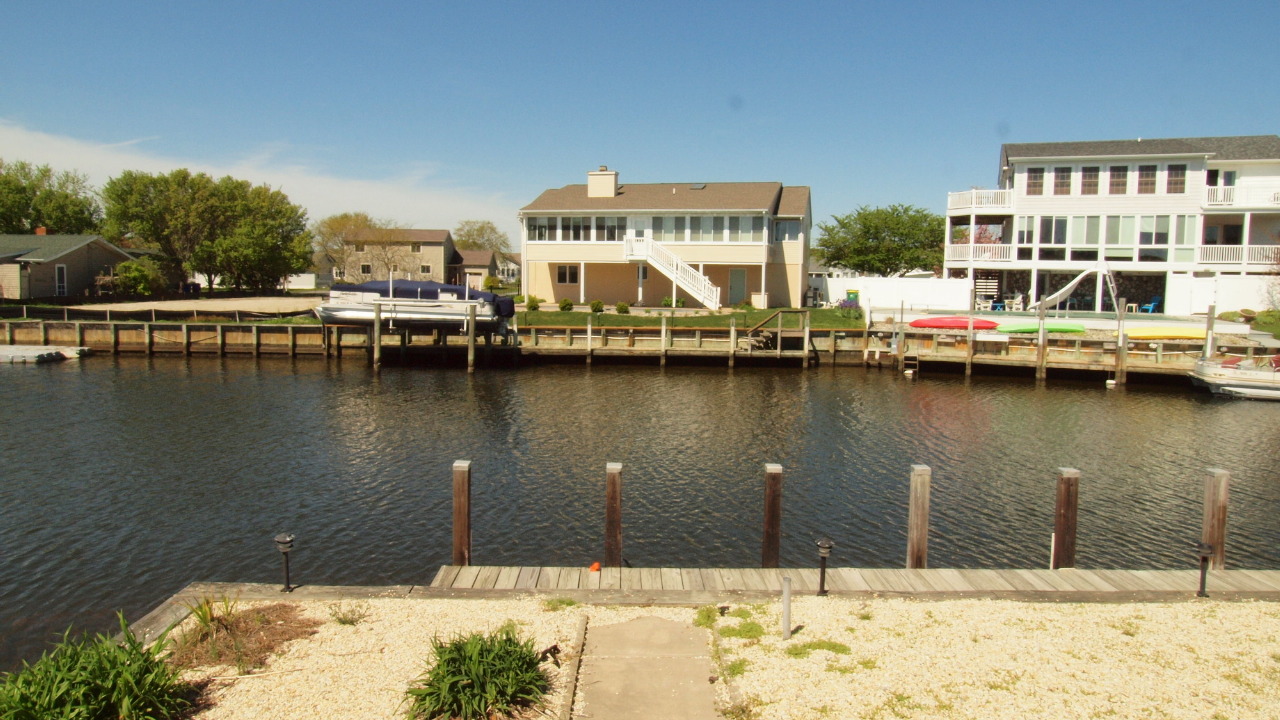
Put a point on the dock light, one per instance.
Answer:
(1205, 551)
(824, 551)
(284, 543)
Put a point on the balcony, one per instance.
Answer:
(981, 253)
(980, 201)
(1241, 197)
(1237, 254)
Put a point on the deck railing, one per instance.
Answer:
(1241, 196)
(980, 200)
(992, 252)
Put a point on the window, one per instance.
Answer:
(415, 248)
(1119, 179)
(1026, 231)
(1146, 179)
(576, 229)
(1062, 181)
(366, 269)
(1175, 179)
(1092, 230)
(611, 229)
(1113, 229)
(567, 274)
(664, 229)
(702, 229)
(1089, 180)
(1053, 230)
(679, 231)
(542, 229)
(786, 230)
(339, 273)
(359, 247)
(1035, 181)
(424, 269)
(1153, 230)
(1225, 178)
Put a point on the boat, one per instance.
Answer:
(414, 303)
(952, 322)
(1031, 326)
(1164, 333)
(1237, 377)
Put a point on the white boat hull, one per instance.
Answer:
(1261, 382)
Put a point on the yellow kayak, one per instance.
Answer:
(1164, 333)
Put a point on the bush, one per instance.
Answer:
(597, 306)
(533, 303)
(679, 302)
(98, 678)
(623, 308)
(517, 299)
(566, 304)
(139, 277)
(849, 310)
(492, 283)
(666, 302)
(477, 676)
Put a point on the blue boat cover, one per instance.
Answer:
(428, 290)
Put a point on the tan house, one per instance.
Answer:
(707, 244)
(404, 254)
(46, 266)
(476, 265)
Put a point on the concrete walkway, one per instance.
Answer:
(647, 668)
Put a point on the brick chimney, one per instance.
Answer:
(41, 231)
(602, 183)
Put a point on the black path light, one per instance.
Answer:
(824, 551)
(1205, 551)
(284, 543)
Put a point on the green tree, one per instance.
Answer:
(35, 196)
(336, 237)
(139, 277)
(480, 235)
(883, 241)
(269, 243)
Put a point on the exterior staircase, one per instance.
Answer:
(669, 264)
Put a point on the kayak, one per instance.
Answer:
(1164, 333)
(1031, 326)
(951, 322)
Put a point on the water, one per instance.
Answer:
(122, 479)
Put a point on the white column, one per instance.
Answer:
(1244, 241)
(582, 282)
(1098, 284)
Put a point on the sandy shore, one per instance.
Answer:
(283, 303)
(882, 658)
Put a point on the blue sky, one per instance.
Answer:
(429, 113)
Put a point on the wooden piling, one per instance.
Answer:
(44, 333)
(375, 350)
(1122, 344)
(613, 515)
(1216, 489)
(772, 541)
(588, 342)
(662, 343)
(471, 338)
(222, 339)
(1042, 347)
(79, 334)
(115, 336)
(918, 518)
(257, 340)
(462, 512)
(293, 341)
(186, 338)
(733, 341)
(150, 340)
(1064, 519)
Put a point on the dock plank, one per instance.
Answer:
(1269, 580)
(570, 578)
(692, 579)
(631, 579)
(954, 579)
(528, 578)
(711, 579)
(1156, 580)
(986, 580)
(507, 577)
(591, 580)
(671, 579)
(847, 579)
(487, 577)
(547, 578)
(1037, 580)
(444, 576)
(731, 579)
(1098, 583)
(611, 578)
(886, 580)
(466, 576)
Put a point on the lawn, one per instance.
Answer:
(819, 319)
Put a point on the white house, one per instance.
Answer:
(1180, 223)
(712, 244)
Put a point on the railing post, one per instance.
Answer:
(1064, 519)
(918, 518)
(772, 542)
(462, 512)
(613, 515)
(1214, 533)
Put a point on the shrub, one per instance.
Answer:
(566, 304)
(349, 613)
(597, 306)
(139, 277)
(98, 678)
(533, 303)
(666, 302)
(517, 299)
(679, 302)
(849, 310)
(803, 649)
(477, 676)
(492, 283)
(623, 308)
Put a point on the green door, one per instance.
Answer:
(737, 285)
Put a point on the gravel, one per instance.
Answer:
(904, 658)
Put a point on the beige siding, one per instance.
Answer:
(12, 285)
(574, 252)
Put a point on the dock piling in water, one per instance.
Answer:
(1064, 519)
(1214, 533)
(772, 542)
(918, 518)
(613, 515)
(462, 512)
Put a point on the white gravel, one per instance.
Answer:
(906, 659)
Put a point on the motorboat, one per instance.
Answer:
(414, 303)
(1258, 378)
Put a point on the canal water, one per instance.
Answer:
(122, 479)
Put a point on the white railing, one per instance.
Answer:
(1222, 253)
(1264, 254)
(1241, 196)
(980, 200)
(981, 253)
(670, 264)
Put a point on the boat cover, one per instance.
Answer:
(503, 306)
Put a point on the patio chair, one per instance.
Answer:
(1151, 306)
(1015, 304)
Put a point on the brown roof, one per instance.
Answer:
(407, 237)
(476, 257)
(1245, 147)
(795, 202)
(745, 197)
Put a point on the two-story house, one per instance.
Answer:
(401, 254)
(708, 244)
(1181, 222)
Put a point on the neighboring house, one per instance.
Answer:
(710, 244)
(476, 265)
(509, 267)
(1188, 221)
(404, 254)
(43, 266)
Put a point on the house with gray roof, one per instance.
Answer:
(48, 266)
(706, 244)
(1177, 223)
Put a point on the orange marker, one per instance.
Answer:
(595, 567)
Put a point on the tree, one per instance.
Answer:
(337, 238)
(139, 277)
(270, 241)
(480, 235)
(883, 241)
(36, 196)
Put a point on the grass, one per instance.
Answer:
(747, 630)
(558, 604)
(476, 677)
(819, 318)
(102, 677)
(223, 634)
(706, 617)
(345, 613)
(803, 650)
(735, 668)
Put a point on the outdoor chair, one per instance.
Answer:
(1151, 306)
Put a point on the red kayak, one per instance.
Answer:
(953, 322)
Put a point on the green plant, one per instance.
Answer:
(517, 299)
(706, 616)
(97, 678)
(225, 635)
(622, 308)
(803, 649)
(597, 306)
(666, 302)
(477, 676)
(532, 303)
(740, 612)
(744, 305)
(492, 283)
(352, 613)
(557, 604)
(566, 304)
(747, 630)
(679, 302)
(735, 668)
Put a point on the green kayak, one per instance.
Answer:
(1031, 326)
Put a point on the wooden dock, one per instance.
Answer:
(39, 353)
(702, 584)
